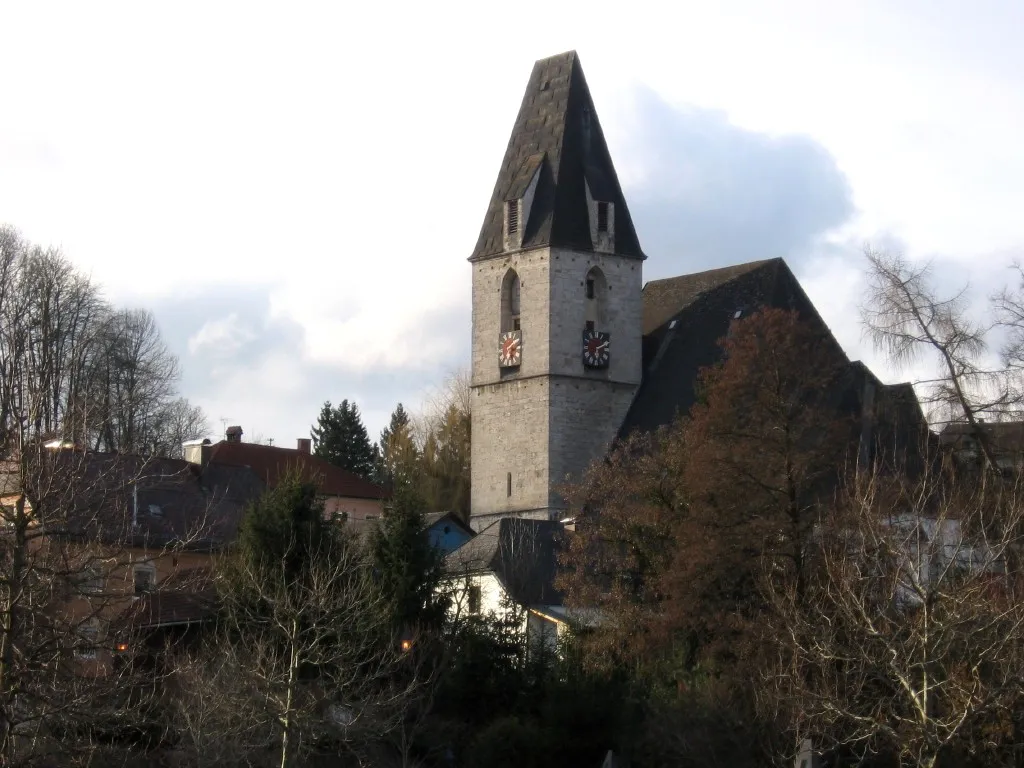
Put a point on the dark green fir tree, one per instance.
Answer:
(340, 438)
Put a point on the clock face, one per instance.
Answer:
(510, 349)
(595, 349)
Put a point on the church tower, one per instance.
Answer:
(556, 304)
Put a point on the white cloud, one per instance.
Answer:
(345, 153)
(220, 338)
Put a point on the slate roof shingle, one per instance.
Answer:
(557, 132)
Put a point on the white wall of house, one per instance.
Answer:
(492, 595)
(493, 600)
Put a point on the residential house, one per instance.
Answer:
(447, 531)
(345, 494)
(509, 568)
(1005, 438)
(123, 536)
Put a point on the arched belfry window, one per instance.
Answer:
(596, 301)
(510, 295)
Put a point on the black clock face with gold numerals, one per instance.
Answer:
(595, 349)
(510, 349)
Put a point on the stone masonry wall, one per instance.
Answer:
(584, 416)
(552, 416)
(510, 435)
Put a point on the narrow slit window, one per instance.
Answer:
(590, 287)
(590, 325)
(513, 216)
(602, 217)
(508, 485)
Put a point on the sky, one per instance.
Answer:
(294, 188)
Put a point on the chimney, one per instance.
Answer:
(233, 434)
(194, 450)
(304, 445)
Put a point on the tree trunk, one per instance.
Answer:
(10, 632)
(293, 675)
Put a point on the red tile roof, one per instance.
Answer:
(270, 462)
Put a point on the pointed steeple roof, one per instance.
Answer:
(557, 135)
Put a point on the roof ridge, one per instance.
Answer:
(756, 264)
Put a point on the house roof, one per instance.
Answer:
(557, 134)
(686, 317)
(142, 502)
(522, 553)
(186, 597)
(271, 462)
(433, 518)
(1004, 435)
(684, 320)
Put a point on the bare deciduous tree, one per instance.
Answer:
(910, 320)
(73, 367)
(67, 535)
(303, 662)
(908, 640)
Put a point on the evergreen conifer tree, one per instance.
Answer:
(399, 456)
(406, 564)
(340, 438)
(445, 461)
(285, 529)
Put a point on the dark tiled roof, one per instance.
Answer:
(684, 320)
(137, 501)
(557, 131)
(187, 597)
(522, 553)
(664, 299)
(270, 462)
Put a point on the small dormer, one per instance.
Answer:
(602, 214)
(519, 201)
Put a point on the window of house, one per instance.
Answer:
(590, 287)
(90, 580)
(590, 325)
(473, 599)
(88, 638)
(602, 217)
(145, 579)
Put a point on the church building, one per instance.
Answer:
(570, 348)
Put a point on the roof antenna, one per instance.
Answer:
(224, 424)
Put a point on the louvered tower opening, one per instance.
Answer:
(513, 216)
(602, 217)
